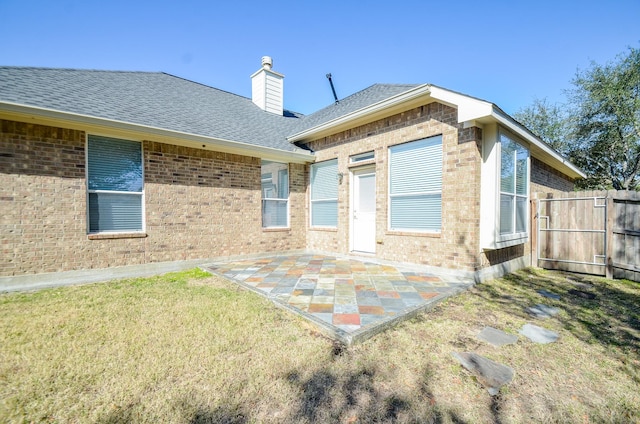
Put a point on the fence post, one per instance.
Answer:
(608, 239)
(534, 230)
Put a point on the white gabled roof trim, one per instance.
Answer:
(541, 146)
(383, 107)
(472, 109)
(169, 136)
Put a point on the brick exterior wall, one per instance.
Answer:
(457, 244)
(548, 180)
(204, 204)
(198, 204)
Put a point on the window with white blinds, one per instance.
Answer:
(115, 184)
(275, 194)
(324, 194)
(415, 186)
(514, 186)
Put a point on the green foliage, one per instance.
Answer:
(549, 122)
(607, 101)
(599, 130)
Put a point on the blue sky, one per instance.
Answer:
(506, 52)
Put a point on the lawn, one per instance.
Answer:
(193, 348)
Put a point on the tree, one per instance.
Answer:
(607, 123)
(549, 122)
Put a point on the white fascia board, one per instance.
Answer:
(469, 108)
(161, 135)
(386, 106)
(538, 145)
(475, 111)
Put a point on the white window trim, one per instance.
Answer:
(277, 199)
(312, 201)
(88, 191)
(362, 157)
(515, 238)
(425, 193)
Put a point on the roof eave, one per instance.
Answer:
(472, 110)
(539, 149)
(142, 132)
(386, 107)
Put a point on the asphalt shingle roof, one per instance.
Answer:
(161, 100)
(148, 98)
(367, 97)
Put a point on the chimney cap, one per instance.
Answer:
(267, 62)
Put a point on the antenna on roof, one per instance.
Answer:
(335, 96)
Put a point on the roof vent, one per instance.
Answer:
(267, 62)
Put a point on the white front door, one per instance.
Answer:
(363, 213)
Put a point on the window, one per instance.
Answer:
(415, 186)
(514, 190)
(275, 194)
(324, 194)
(115, 184)
(362, 157)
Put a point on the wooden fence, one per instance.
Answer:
(592, 232)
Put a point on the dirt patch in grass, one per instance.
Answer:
(192, 348)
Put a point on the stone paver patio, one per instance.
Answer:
(348, 299)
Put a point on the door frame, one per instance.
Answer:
(353, 173)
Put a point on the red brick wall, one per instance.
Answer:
(198, 204)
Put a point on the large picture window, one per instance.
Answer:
(324, 194)
(415, 186)
(275, 194)
(514, 186)
(115, 185)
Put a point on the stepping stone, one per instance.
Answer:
(580, 285)
(496, 337)
(549, 294)
(582, 294)
(489, 373)
(543, 311)
(538, 334)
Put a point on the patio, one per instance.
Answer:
(348, 299)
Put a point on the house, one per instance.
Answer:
(102, 169)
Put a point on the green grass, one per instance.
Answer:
(193, 348)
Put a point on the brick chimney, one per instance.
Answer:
(267, 88)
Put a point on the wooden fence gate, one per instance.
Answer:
(591, 232)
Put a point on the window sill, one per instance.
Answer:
(325, 229)
(109, 236)
(275, 229)
(507, 241)
(412, 234)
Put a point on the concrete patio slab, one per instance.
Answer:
(348, 299)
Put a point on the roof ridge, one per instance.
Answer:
(46, 68)
(296, 114)
(204, 85)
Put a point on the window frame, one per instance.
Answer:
(513, 234)
(362, 157)
(277, 199)
(90, 191)
(313, 201)
(427, 193)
